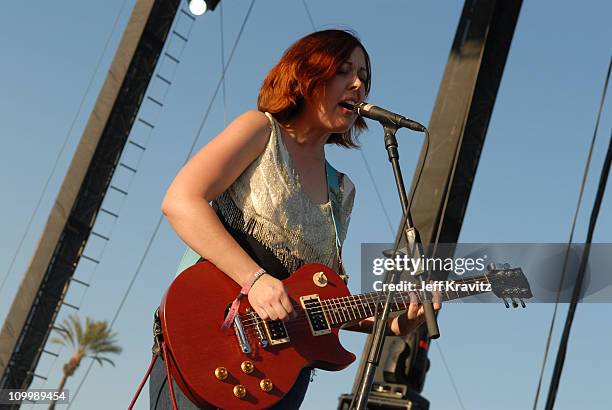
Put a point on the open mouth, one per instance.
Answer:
(348, 105)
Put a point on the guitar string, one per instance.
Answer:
(303, 318)
(350, 308)
(297, 324)
(338, 311)
(346, 306)
(340, 306)
(354, 301)
(291, 326)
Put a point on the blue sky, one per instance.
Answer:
(526, 188)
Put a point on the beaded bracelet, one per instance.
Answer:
(243, 292)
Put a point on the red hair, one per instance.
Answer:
(305, 66)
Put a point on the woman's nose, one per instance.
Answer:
(356, 84)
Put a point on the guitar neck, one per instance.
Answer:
(357, 307)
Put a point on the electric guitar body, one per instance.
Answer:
(208, 363)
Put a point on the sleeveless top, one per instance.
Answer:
(270, 215)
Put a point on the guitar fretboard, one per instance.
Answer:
(357, 307)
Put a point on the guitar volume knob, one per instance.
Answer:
(240, 391)
(247, 366)
(266, 385)
(221, 373)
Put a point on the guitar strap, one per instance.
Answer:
(335, 197)
(159, 349)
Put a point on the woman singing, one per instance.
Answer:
(256, 200)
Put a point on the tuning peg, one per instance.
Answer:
(522, 303)
(514, 303)
(505, 303)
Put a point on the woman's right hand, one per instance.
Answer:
(268, 296)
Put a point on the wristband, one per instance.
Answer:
(236, 303)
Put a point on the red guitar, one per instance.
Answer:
(252, 365)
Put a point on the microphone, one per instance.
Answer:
(383, 116)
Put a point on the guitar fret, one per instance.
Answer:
(370, 307)
(351, 303)
(372, 302)
(337, 318)
(378, 300)
(350, 307)
(327, 311)
(360, 303)
(356, 306)
(335, 307)
(336, 313)
(340, 304)
(347, 317)
(367, 298)
(363, 305)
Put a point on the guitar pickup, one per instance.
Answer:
(276, 331)
(315, 314)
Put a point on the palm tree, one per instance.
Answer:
(94, 340)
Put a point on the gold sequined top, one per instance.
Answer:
(268, 203)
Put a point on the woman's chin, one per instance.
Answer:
(340, 130)
(346, 124)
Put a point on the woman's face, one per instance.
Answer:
(347, 85)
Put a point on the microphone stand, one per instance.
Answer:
(413, 247)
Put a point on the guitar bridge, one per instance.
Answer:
(315, 315)
(243, 340)
(261, 334)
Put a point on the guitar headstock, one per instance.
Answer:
(509, 283)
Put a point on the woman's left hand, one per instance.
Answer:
(405, 323)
